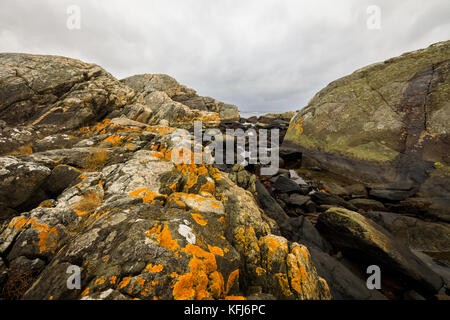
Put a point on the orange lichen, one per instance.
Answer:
(99, 281)
(152, 268)
(199, 219)
(232, 279)
(146, 195)
(124, 282)
(283, 284)
(115, 140)
(164, 237)
(215, 250)
(47, 236)
(85, 292)
(46, 204)
(235, 298)
(196, 284)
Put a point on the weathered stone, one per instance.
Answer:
(43, 90)
(367, 204)
(344, 285)
(415, 233)
(364, 240)
(284, 184)
(20, 180)
(383, 123)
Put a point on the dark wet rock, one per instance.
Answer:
(363, 240)
(344, 285)
(439, 209)
(323, 198)
(357, 191)
(415, 233)
(22, 265)
(297, 200)
(412, 295)
(20, 180)
(334, 188)
(62, 177)
(368, 204)
(302, 231)
(269, 204)
(284, 184)
(415, 206)
(392, 192)
(290, 155)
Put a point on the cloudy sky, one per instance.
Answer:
(262, 55)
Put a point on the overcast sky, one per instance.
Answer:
(262, 55)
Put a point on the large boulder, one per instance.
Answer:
(51, 90)
(384, 124)
(415, 233)
(370, 244)
(154, 86)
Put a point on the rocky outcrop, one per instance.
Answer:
(105, 196)
(50, 90)
(383, 124)
(158, 89)
(363, 240)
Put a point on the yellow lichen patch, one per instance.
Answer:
(224, 223)
(163, 237)
(217, 204)
(176, 199)
(115, 140)
(99, 281)
(46, 204)
(81, 213)
(260, 271)
(146, 195)
(273, 246)
(20, 222)
(216, 284)
(297, 263)
(152, 268)
(232, 279)
(215, 250)
(235, 298)
(85, 292)
(47, 236)
(199, 219)
(196, 284)
(283, 284)
(124, 282)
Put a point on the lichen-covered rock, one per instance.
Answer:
(384, 123)
(159, 90)
(269, 263)
(107, 197)
(42, 90)
(369, 243)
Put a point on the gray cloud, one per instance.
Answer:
(263, 55)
